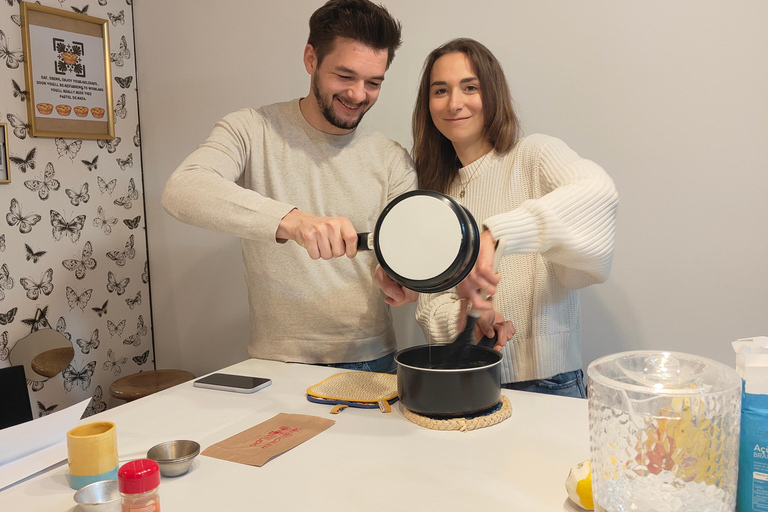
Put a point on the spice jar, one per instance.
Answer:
(139, 482)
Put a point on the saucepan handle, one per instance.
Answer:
(365, 241)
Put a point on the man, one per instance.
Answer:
(304, 171)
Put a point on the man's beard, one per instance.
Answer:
(326, 107)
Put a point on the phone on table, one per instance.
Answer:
(229, 382)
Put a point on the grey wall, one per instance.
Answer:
(669, 97)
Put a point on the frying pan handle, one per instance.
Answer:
(488, 342)
(365, 241)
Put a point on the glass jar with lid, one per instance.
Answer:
(664, 432)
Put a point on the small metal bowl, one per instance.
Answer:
(101, 496)
(174, 457)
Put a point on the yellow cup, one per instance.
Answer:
(92, 453)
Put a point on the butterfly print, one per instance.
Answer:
(4, 352)
(141, 329)
(20, 128)
(96, 405)
(145, 274)
(70, 149)
(61, 227)
(84, 10)
(6, 281)
(119, 257)
(87, 345)
(35, 385)
(15, 217)
(39, 321)
(44, 186)
(132, 223)
(117, 18)
(83, 264)
(102, 2)
(25, 163)
(77, 197)
(112, 364)
(45, 286)
(113, 285)
(12, 57)
(104, 223)
(128, 161)
(2, 243)
(32, 255)
(18, 92)
(111, 145)
(116, 329)
(136, 301)
(61, 326)
(16, 18)
(124, 82)
(137, 137)
(140, 360)
(106, 187)
(126, 201)
(6, 318)
(42, 410)
(124, 53)
(102, 310)
(82, 378)
(78, 300)
(92, 165)
(120, 110)
(133, 339)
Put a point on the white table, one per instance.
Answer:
(366, 461)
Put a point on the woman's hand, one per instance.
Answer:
(480, 285)
(492, 323)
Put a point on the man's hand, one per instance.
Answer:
(322, 237)
(396, 295)
(480, 285)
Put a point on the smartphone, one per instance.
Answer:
(236, 383)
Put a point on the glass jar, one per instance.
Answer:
(139, 482)
(664, 432)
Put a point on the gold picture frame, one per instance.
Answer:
(67, 73)
(5, 165)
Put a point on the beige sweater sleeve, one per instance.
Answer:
(203, 191)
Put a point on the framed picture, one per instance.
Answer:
(67, 72)
(5, 167)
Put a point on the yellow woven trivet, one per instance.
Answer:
(462, 424)
(356, 387)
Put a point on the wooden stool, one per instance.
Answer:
(139, 385)
(51, 362)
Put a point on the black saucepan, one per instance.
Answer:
(424, 240)
(432, 380)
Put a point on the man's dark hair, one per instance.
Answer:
(360, 20)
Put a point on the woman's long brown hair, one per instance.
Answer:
(436, 162)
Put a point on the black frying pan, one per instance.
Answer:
(424, 240)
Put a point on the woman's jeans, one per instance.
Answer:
(563, 384)
(385, 364)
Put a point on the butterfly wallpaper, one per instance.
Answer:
(73, 247)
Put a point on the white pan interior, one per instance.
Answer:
(420, 237)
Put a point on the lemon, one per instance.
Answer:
(579, 485)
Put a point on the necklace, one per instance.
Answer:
(471, 177)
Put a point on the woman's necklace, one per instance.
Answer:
(471, 177)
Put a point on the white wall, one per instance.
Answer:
(669, 97)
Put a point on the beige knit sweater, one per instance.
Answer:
(557, 212)
(257, 165)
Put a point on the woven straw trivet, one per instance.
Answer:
(356, 387)
(463, 424)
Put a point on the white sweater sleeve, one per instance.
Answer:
(203, 191)
(572, 224)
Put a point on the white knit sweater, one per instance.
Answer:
(557, 212)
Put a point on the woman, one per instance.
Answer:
(554, 210)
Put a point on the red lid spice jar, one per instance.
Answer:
(139, 482)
